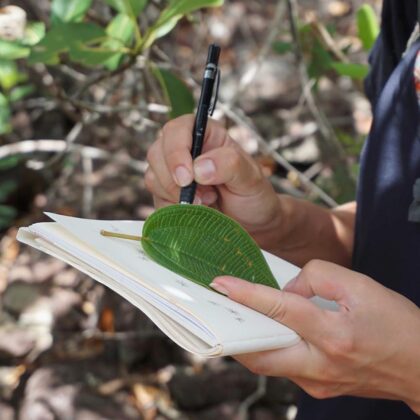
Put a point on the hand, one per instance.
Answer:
(228, 178)
(369, 348)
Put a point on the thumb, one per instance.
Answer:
(327, 280)
(292, 310)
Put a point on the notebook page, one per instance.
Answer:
(228, 320)
(180, 335)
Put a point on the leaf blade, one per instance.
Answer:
(367, 25)
(69, 10)
(201, 243)
(176, 91)
(131, 8)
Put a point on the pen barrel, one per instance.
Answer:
(188, 193)
(199, 131)
(210, 73)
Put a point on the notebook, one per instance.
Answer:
(200, 320)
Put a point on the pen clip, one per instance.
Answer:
(212, 106)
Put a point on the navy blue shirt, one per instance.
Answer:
(387, 244)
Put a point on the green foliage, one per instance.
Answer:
(69, 10)
(7, 213)
(353, 70)
(13, 50)
(176, 91)
(170, 16)
(12, 91)
(318, 57)
(74, 38)
(71, 37)
(4, 114)
(367, 25)
(281, 47)
(120, 31)
(130, 8)
(201, 243)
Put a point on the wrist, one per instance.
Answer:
(402, 380)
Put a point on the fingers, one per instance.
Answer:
(170, 162)
(292, 310)
(176, 146)
(326, 280)
(163, 197)
(289, 362)
(231, 166)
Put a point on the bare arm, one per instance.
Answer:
(306, 231)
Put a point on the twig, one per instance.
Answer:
(70, 139)
(273, 30)
(99, 77)
(327, 40)
(331, 145)
(253, 398)
(106, 109)
(245, 122)
(87, 186)
(59, 146)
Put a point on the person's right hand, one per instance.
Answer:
(228, 178)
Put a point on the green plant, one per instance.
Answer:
(7, 213)
(201, 243)
(368, 31)
(73, 38)
(321, 58)
(13, 82)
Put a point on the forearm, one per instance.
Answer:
(303, 231)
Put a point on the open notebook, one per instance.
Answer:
(198, 319)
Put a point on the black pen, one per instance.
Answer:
(205, 108)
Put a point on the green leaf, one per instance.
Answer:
(171, 15)
(320, 61)
(34, 32)
(90, 56)
(367, 25)
(176, 91)
(131, 8)
(121, 31)
(10, 75)
(281, 47)
(69, 10)
(201, 243)
(10, 161)
(12, 50)
(7, 214)
(20, 92)
(64, 37)
(355, 71)
(5, 126)
(6, 188)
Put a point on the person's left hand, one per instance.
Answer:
(369, 347)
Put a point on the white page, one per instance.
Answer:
(229, 321)
(180, 335)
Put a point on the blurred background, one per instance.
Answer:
(84, 87)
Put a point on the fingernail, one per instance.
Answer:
(219, 288)
(197, 200)
(183, 176)
(209, 197)
(289, 285)
(204, 169)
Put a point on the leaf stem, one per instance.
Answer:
(120, 235)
